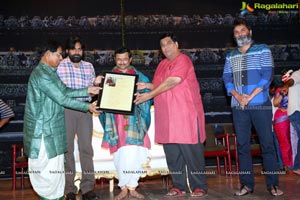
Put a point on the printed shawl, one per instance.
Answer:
(138, 123)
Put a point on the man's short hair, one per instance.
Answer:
(123, 50)
(71, 42)
(171, 35)
(51, 45)
(241, 21)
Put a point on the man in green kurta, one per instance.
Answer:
(44, 123)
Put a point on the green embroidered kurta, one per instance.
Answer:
(44, 111)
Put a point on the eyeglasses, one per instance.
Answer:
(57, 54)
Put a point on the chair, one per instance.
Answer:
(255, 147)
(19, 160)
(104, 164)
(213, 149)
(229, 130)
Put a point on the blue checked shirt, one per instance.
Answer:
(76, 77)
(246, 72)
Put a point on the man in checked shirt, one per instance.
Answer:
(76, 73)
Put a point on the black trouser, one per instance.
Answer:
(81, 124)
(186, 156)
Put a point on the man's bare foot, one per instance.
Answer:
(122, 195)
(135, 194)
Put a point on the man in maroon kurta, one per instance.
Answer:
(179, 118)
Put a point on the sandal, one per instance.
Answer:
(175, 192)
(274, 191)
(296, 172)
(135, 194)
(198, 193)
(244, 190)
(122, 195)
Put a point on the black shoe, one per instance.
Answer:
(71, 196)
(91, 195)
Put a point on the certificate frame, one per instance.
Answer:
(117, 94)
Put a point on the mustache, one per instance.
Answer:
(76, 58)
(243, 37)
(75, 55)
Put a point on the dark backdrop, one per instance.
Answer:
(203, 28)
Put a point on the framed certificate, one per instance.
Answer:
(117, 93)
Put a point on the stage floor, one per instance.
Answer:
(219, 187)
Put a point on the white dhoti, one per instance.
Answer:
(47, 175)
(128, 162)
(294, 141)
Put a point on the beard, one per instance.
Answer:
(243, 40)
(76, 58)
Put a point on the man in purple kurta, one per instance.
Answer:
(179, 118)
